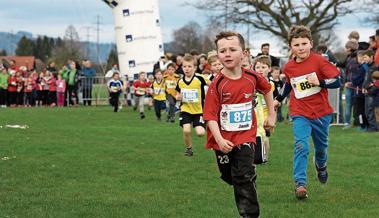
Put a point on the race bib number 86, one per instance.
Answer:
(302, 88)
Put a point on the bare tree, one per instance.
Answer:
(277, 16)
(191, 37)
(69, 48)
(374, 18)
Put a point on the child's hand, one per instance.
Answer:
(313, 80)
(178, 97)
(225, 145)
(276, 104)
(269, 123)
(348, 84)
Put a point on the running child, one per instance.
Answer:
(263, 67)
(215, 64)
(229, 112)
(140, 87)
(159, 95)
(308, 77)
(115, 88)
(149, 92)
(278, 83)
(191, 93)
(171, 80)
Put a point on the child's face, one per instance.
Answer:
(142, 76)
(59, 77)
(230, 52)
(202, 60)
(301, 48)
(262, 69)
(216, 66)
(360, 59)
(368, 59)
(158, 75)
(275, 74)
(116, 76)
(151, 78)
(170, 70)
(245, 63)
(188, 68)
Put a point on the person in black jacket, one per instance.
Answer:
(265, 50)
(368, 85)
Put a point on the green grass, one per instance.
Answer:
(91, 162)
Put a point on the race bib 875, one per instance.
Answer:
(236, 117)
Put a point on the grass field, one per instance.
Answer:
(91, 162)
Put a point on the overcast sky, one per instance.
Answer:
(51, 17)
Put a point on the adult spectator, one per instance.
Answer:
(89, 74)
(323, 50)
(361, 45)
(52, 68)
(12, 65)
(265, 50)
(372, 43)
(351, 66)
(110, 72)
(162, 63)
(179, 63)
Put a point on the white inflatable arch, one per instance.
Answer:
(138, 35)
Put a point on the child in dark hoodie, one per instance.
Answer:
(374, 91)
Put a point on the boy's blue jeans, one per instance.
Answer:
(303, 128)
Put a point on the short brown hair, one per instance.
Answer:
(157, 71)
(276, 68)
(190, 58)
(265, 44)
(212, 59)
(299, 32)
(354, 35)
(352, 44)
(375, 75)
(263, 59)
(228, 34)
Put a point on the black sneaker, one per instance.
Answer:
(188, 152)
(142, 115)
(301, 192)
(322, 174)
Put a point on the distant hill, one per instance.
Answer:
(8, 42)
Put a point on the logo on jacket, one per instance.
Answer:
(247, 95)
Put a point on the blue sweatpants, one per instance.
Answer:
(303, 128)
